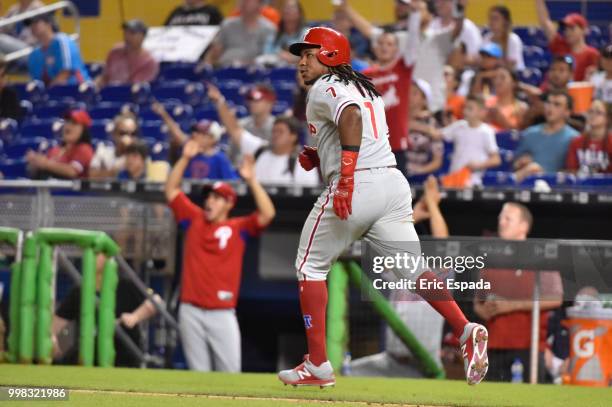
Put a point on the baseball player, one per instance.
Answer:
(212, 264)
(366, 197)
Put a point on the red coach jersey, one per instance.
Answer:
(582, 60)
(393, 84)
(212, 255)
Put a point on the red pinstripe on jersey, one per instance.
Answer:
(314, 229)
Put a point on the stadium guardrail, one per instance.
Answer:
(60, 5)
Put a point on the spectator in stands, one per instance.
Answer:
(131, 308)
(212, 264)
(506, 308)
(474, 142)
(136, 155)
(424, 154)
(434, 50)
(195, 12)
(543, 147)
(454, 101)
(500, 26)
(275, 161)
(572, 40)
(57, 59)
(447, 11)
(505, 110)
(418, 316)
(591, 153)
(392, 75)
(260, 100)
(72, 157)
(210, 162)
(241, 39)
(9, 100)
(559, 76)
(603, 79)
(291, 29)
(479, 81)
(360, 46)
(267, 11)
(109, 159)
(18, 36)
(129, 62)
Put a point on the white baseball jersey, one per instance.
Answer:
(326, 100)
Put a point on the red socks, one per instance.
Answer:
(443, 302)
(313, 301)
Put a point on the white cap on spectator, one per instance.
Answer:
(425, 88)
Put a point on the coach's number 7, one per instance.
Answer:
(370, 107)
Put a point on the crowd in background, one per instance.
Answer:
(457, 88)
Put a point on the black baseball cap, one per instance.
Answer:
(135, 25)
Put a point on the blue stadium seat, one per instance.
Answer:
(52, 110)
(284, 91)
(138, 93)
(600, 181)
(185, 92)
(94, 69)
(242, 74)
(13, 168)
(48, 128)
(26, 108)
(18, 148)
(100, 129)
(596, 38)
(206, 112)
(108, 110)
(508, 140)
(280, 108)
(33, 91)
(233, 91)
(85, 92)
(498, 178)
(158, 150)
(8, 130)
(553, 180)
(179, 112)
(179, 71)
(156, 130)
(532, 76)
(285, 74)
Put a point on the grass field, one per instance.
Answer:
(133, 387)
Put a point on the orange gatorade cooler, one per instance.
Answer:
(590, 346)
(582, 95)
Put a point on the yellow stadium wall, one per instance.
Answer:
(98, 34)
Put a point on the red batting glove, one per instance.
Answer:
(309, 158)
(343, 196)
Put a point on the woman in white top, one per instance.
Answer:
(500, 32)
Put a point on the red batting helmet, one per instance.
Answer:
(334, 48)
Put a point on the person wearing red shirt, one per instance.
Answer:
(129, 62)
(69, 160)
(591, 153)
(392, 76)
(507, 307)
(574, 28)
(212, 264)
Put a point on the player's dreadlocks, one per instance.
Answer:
(347, 74)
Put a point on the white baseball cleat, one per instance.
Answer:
(474, 349)
(307, 374)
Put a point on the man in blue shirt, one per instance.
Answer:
(211, 162)
(543, 147)
(57, 60)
